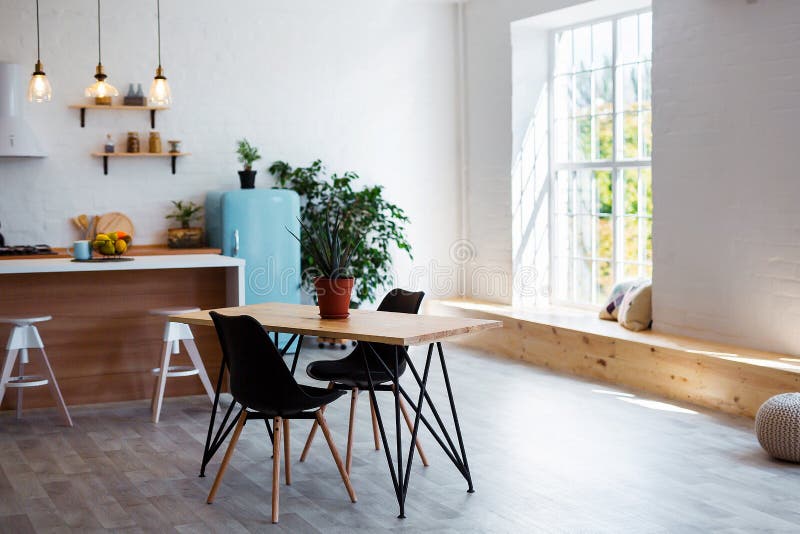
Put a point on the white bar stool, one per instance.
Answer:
(174, 334)
(24, 336)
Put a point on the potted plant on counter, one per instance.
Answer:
(331, 255)
(186, 236)
(248, 154)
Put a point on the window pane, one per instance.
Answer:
(630, 184)
(629, 82)
(646, 83)
(583, 48)
(564, 52)
(583, 93)
(563, 236)
(604, 237)
(604, 137)
(584, 192)
(646, 35)
(583, 142)
(646, 231)
(583, 235)
(647, 134)
(561, 196)
(602, 44)
(583, 280)
(602, 181)
(630, 135)
(605, 281)
(646, 176)
(630, 272)
(603, 91)
(563, 139)
(562, 93)
(628, 40)
(630, 231)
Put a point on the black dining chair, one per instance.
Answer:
(348, 373)
(261, 383)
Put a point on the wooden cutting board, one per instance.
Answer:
(113, 222)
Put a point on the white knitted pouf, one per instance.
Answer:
(778, 426)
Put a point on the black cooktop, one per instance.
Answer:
(27, 250)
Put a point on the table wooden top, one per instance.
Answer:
(362, 325)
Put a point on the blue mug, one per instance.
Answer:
(81, 250)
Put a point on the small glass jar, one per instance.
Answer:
(133, 143)
(155, 143)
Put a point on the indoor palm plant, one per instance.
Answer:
(367, 217)
(331, 253)
(185, 236)
(248, 154)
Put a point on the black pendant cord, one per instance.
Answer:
(38, 45)
(99, 50)
(158, 15)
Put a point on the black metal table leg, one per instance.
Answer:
(467, 474)
(396, 391)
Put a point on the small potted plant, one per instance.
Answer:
(248, 154)
(331, 257)
(186, 236)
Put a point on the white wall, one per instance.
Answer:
(726, 221)
(366, 86)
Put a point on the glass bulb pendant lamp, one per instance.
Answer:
(101, 90)
(160, 94)
(39, 89)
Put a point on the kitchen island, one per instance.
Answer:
(102, 342)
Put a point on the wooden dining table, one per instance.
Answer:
(400, 330)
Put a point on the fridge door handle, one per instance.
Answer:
(235, 242)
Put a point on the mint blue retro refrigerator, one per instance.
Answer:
(251, 224)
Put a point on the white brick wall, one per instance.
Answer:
(726, 223)
(366, 86)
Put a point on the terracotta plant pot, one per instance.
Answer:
(333, 297)
(247, 179)
(185, 237)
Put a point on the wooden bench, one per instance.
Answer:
(724, 377)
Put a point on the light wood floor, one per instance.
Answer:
(549, 453)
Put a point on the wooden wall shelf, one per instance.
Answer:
(105, 156)
(151, 109)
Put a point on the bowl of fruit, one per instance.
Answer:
(111, 245)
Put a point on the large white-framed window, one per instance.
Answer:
(600, 156)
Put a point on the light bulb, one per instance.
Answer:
(39, 89)
(101, 89)
(160, 95)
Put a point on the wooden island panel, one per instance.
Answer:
(101, 342)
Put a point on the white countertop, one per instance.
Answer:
(65, 265)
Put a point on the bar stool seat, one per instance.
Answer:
(25, 336)
(174, 335)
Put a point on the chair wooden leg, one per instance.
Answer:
(336, 458)
(349, 457)
(312, 433)
(197, 361)
(5, 374)
(55, 391)
(276, 467)
(375, 432)
(410, 424)
(227, 458)
(287, 452)
(161, 382)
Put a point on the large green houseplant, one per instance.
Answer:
(367, 218)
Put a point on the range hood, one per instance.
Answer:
(16, 136)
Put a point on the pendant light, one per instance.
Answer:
(39, 89)
(160, 95)
(101, 90)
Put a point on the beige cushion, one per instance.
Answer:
(636, 310)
